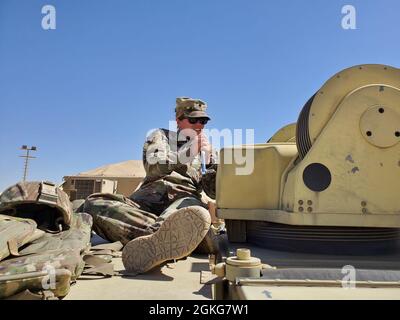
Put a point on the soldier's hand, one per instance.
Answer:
(204, 145)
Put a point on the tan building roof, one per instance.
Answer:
(125, 169)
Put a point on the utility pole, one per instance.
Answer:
(27, 157)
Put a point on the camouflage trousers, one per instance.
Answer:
(117, 218)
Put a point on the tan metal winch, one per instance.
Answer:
(328, 183)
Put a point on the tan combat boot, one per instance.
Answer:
(177, 237)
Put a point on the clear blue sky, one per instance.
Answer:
(86, 93)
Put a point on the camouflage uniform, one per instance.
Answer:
(41, 239)
(173, 181)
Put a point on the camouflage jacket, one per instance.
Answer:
(171, 173)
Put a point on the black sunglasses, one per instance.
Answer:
(196, 120)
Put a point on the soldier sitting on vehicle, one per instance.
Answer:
(166, 217)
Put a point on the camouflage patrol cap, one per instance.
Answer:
(28, 195)
(191, 108)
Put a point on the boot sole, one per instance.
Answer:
(177, 237)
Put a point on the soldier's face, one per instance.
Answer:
(185, 124)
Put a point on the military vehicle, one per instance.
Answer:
(321, 208)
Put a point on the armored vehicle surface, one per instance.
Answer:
(321, 207)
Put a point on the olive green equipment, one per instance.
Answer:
(331, 179)
(44, 245)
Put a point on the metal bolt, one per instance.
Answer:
(364, 210)
(301, 202)
(243, 254)
(363, 203)
(301, 209)
(309, 202)
(309, 209)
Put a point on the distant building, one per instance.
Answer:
(122, 178)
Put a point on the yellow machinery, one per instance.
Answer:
(332, 179)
